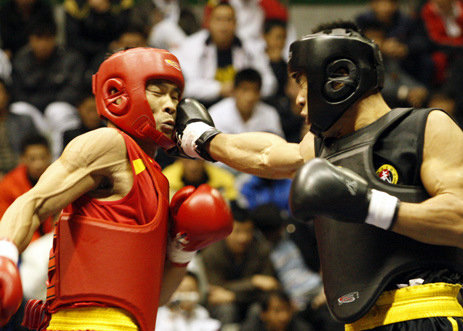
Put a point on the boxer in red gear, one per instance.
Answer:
(113, 260)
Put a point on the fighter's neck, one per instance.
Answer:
(362, 113)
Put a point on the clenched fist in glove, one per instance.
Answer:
(194, 127)
(10, 283)
(200, 217)
(322, 189)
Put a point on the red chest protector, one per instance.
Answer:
(113, 264)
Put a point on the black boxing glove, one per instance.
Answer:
(194, 128)
(322, 189)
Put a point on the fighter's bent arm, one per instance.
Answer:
(438, 220)
(77, 171)
(262, 154)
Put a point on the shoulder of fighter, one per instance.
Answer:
(97, 150)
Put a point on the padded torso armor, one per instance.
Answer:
(360, 260)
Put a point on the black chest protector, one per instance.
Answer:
(360, 260)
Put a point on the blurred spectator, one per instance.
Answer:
(400, 89)
(184, 172)
(238, 271)
(443, 20)
(92, 24)
(289, 111)
(16, 16)
(47, 83)
(448, 101)
(5, 67)
(131, 37)
(89, 119)
(211, 57)
(35, 158)
(276, 313)
(258, 191)
(13, 129)
(172, 22)
(250, 17)
(244, 111)
(302, 283)
(405, 38)
(183, 312)
(275, 39)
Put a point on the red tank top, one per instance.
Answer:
(137, 207)
(118, 263)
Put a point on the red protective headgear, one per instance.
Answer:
(127, 73)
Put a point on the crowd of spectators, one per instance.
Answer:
(265, 275)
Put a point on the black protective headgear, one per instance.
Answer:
(322, 56)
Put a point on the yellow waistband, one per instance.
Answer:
(413, 302)
(92, 318)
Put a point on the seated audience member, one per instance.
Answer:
(47, 80)
(258, 191)
(131, 37)
(405, 37)
(184, 172)
(238, 270)
(443, 22)
(275, 39)
(302, 284)
(400, 89)
(13, 129)
(91, 25)
(35, 158)
(210, 58)
(289, 111)
(89, 119)
(184, 312)
(448, 101)
(244, 111)
(276, 313)
(16, 16)
(5, 67)
(172, 22)
(250, 17)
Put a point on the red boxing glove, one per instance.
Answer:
(200, 217)
(10, 283)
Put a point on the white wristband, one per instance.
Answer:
(9, 250)
(382, 209)
(176, 253)
(190, 135)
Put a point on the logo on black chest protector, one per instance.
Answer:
(388, 174)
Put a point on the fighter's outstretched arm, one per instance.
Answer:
(258, 153)
(438, 220)
(79, 170)
(262, 154)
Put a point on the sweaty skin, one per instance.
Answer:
(438, 220)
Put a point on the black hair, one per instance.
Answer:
(248, 75)
(268, 217)
(42, 27)
(33, 139)
(271, 23)
(240, 213)
(339, 24)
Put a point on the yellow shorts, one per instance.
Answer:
(92, 319)
(409, 303)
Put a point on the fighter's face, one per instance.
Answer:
(163, 98)
(36, 158)
(301, 98)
